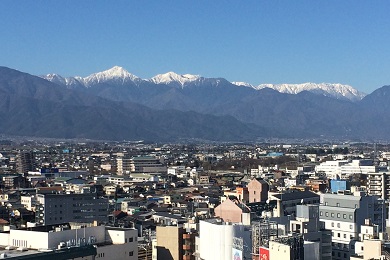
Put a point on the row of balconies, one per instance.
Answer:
(187, 247)
(186, 236)
(188, 257)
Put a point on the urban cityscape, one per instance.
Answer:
(137, 200)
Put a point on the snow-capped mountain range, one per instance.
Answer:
(118, 75)
(335, 90)
(173, 77)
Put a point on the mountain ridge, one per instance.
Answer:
(119, 74)
(32, 106)
(203, 107)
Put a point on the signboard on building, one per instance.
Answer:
(237, 254)
(264, 253)
(238, 246)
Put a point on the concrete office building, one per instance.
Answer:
(110, 242)
(332, 169)
(60, 208)
(344, 214)
(140, 164)
(344, 169)
(357, 167)
(308, 224)
(286, 202)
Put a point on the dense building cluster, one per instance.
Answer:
(134, 200)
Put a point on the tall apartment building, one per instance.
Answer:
(123, 165)
(344, 214)
(25, 162)
(60, 208)
(378, 184)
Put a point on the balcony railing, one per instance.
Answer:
(187, 257)
(186, 247)
(186, 236)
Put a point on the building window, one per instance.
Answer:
(320, 213)
(337, 204)
(130, 239)
(350, 217)
(338, 234)
(345, 235)
(131, 253)
(326, 214)
(344, 216)
(125, 240)
(338, 225)
(332, 215)
(350, 226)
(338, 215)
(332, 224)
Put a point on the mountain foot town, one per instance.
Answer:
(134, 200)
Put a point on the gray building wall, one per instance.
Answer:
(62, 208)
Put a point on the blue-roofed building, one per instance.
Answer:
(274, 154)
(339, 185)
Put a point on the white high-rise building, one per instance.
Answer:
(220, 240)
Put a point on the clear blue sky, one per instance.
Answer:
(253, 41)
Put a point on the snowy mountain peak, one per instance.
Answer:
(335, 90)
(55, 78)
(170, 77)
(116, 73)
(242, 84)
